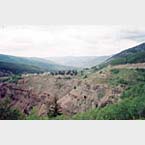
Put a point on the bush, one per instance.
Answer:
(101, 95)
(89, 115)
(67, 78)
(115, 71)
(75, 87)
(85, 77)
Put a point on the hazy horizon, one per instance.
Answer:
(68, 41)
(55, 56)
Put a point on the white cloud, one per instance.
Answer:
(45, 41)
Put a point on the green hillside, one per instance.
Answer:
(132, 55)
(17, 68)
(27, 65)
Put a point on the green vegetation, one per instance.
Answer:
(14, 78)
(134, 91)
(34, 116)
(4, 79)
(10, 79)
(101, 94)
(19, 65)
(85, 77)
(114, 71)
(52, 115)
(126, 77)
(133, 55)
(6, 113)
(18, 68)
(131, 58)
(126, 109)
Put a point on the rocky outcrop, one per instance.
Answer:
(25, 100)
(19, 98)
(53, 96)
(87, 97)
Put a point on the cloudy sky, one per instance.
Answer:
(48, 41)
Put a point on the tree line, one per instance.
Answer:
(68, 72)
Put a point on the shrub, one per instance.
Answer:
(75, 87)
(34, 115)
(115, 71)
(101, 94)
(85, 77)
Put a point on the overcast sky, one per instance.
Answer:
(48, 41)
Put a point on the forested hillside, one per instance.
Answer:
(132, 55)
(19, 65)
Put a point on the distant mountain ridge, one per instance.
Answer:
(79, 61)
(18, 65)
